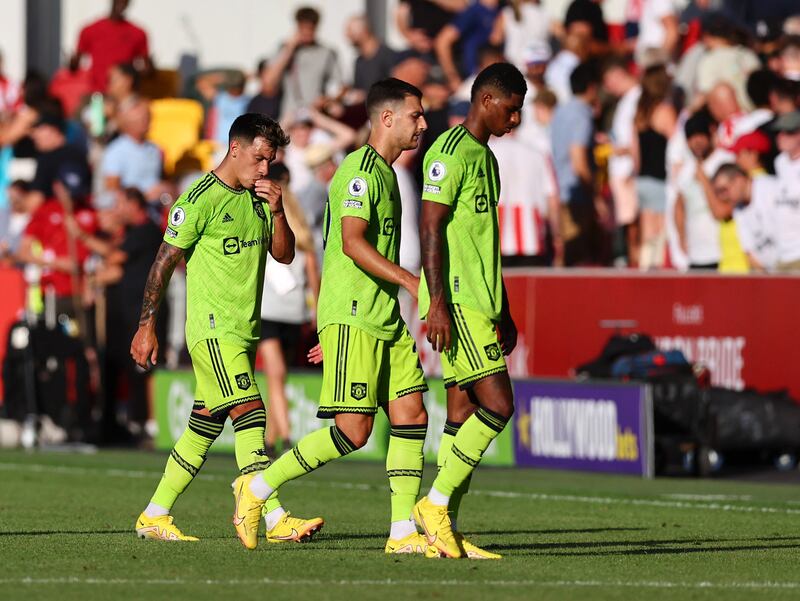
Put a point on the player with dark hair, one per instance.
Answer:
(463, 298)
(371, 359)
(223, 225)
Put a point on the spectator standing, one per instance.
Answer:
(750, 202)
(319, 158)
(698, 231)
(420, 21)
(658, 32)
(304, 70)
(472, 27)
(268, 99)
(521, 24)
(229, 103)
(14, 219)
(111, 41)
(572, 136)
(787, 202)
(573, 52)
(622, 85)
(50, 141)
(289, 296)
(375, 59)
(655, 121)
(131, 160)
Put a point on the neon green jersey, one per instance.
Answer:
(226, 234)
(364, 186)
(462, 173)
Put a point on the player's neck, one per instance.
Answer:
(225, 172)
(384, 147)
(477, 128)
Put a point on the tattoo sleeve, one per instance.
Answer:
(430, 238)
(160, 273)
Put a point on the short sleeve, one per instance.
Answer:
(442, 179)
(581, 131)
(186, 224)
(113, 161)
(356, 196)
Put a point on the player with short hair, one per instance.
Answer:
(370, 357)
(463, 298)
(223, 225)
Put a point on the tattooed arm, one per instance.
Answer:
(144, 348)
(431, 228)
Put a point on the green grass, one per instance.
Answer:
(66, 533)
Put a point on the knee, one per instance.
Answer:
(358, 435)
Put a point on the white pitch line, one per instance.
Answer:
(767, 585)
(485, 493)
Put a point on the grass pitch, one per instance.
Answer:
(66, 532)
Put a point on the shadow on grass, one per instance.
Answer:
(652, 547)
(56, 532)
(555, 531)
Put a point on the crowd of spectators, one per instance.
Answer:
(655, 134)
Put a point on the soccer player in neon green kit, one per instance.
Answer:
(370, 357)
(462, 295)
(223, 225)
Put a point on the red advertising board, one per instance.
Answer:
(12, 302)
(746, 329)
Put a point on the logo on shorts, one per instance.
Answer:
(358, 390)
(481, 204)
(493, 351)
(230, 246)
(243, 381)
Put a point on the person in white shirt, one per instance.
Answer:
(658, 32)
(621, 84)
(751, 203)
(697, 229)
(520, 24)
(574, 52)
(528, 206)
(787, 202)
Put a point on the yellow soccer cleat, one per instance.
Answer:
(246, 511)
(413, 543)
(472, 551)
(433, 519)
(294, 530)
(160, 528)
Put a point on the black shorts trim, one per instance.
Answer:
(468, 383)
(329, 412)
(405, 391)
(225, 408)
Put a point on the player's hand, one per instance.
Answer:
(508, 334)
(144, 348)
(315, 355)
(439, 327)
(412, 285)
(271, 192)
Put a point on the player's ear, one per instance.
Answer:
(235, 147)
(387, 117)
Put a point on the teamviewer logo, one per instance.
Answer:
(230, 246)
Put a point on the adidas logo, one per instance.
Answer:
(227, 219)
(480, 172)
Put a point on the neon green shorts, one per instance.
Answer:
(224, 375)
(361, 372)
(475, 351)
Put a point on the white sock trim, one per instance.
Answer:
(438, 498)
(402, 529)
(273, 517)
(155, 511)
(259, 487)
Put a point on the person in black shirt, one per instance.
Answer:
(375, 59)
(268, 100)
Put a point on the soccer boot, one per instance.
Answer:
(297, 530)
(160, 528)
(433, 519)
(473, 551)
(246, 511)
(413, 543)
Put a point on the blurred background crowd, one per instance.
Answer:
(656, 134)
